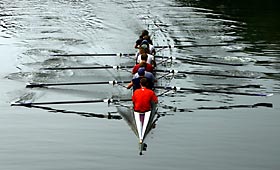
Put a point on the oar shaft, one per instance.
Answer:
(69, 102)
(199, 73)
(200, 61)
(101, 55)
(32, 85)
(212, 91)
(74, 68)
(85, 68)
(211, 62)
(56, 103)
(194, 45)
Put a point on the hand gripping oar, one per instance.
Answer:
(30, 104)
(84, 68)
(211, 91)
(32, 85)
(96, 55)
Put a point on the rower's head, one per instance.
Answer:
(148, 39)
(144, 57)
(145, 42)
(143, 49)
(144, 82)
(143, 64)
(141, 71)
(144, 32)
(146, 45)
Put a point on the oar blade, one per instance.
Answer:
(33, 85)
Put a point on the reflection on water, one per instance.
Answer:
(259, 21)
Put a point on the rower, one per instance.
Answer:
(143, 98)
(145, 34)
(135, 82)
(143, 63)
(146, 41)
(144, 49)
(147, 74)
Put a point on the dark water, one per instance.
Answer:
(207, 130)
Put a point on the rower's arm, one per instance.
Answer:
(154, 63)
(155, 98)
(129, 85)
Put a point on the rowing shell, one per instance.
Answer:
(140, 123)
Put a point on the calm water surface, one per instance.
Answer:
(207, 130)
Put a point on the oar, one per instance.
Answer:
(30, 104)
(129, 67)
(200, 61)
(201, 73)
(157, 70)
(85, 114)
(32, 85)
(96, 55)
(92, 68)
(193, 45)
(175, 109)
(241, 86)
(211, 91)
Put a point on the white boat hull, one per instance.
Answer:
(141, 120)
(140, 126)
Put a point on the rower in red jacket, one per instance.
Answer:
(148, 67)
(143, 98)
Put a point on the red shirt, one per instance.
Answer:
(142, 99)
(148, 68)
